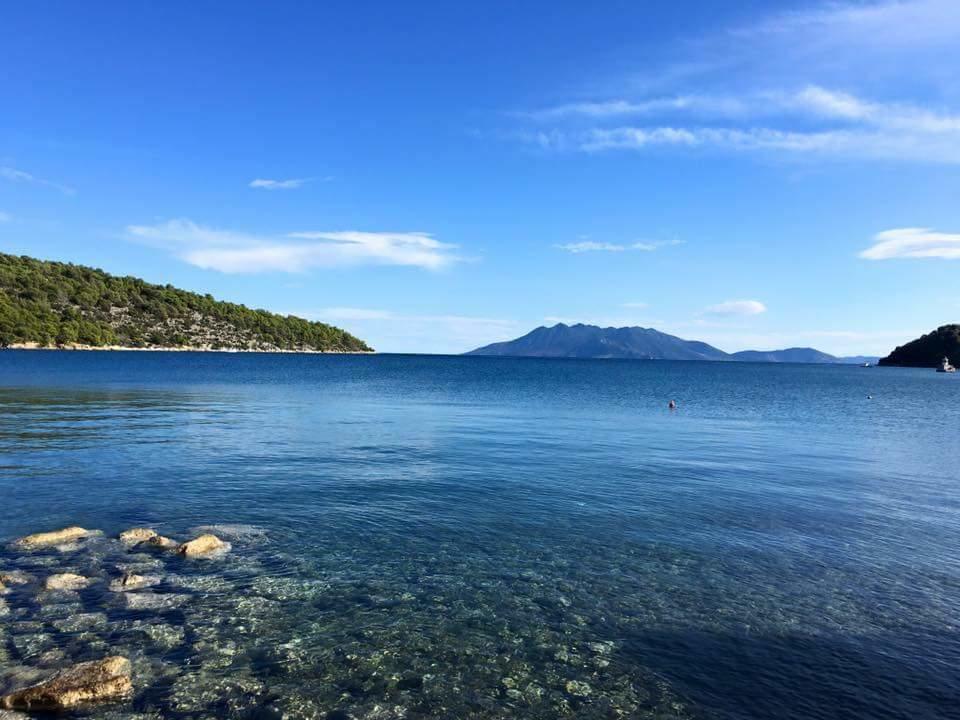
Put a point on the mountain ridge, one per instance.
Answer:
(638, 343)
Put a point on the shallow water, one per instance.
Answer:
(438, 537)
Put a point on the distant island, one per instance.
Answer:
(590, 341)
(929, 350)
(59, 305)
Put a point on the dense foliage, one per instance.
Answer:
(929, 350)
(58, 304)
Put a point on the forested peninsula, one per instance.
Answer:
(928, 350)
(60, 305)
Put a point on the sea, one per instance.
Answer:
(470, 537)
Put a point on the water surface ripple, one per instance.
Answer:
(442, 537)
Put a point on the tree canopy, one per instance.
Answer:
(928, 350)
(57, 304)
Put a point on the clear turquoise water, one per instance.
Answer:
(440, 537)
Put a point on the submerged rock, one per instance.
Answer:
(233, 531)
(160, 542)
(203, 545)
(89, 682)
(163, 636)
(135, 536)
(154, 601)
(13, 715)
(48, 539)
(197, 691)
(80, 622)
(130, 581)
(578, 688)
(66, 581)
(14, 577)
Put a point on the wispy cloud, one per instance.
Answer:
(20, 176)
(5, 217)
(913, 243)
(290, 184)
(237, 252)
(844, 126)
(843, 79)
(737, 308)
(625, 108)
(585, 246)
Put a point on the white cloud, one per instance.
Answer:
(266, 184)
(848, 126)
(857, 28)
(390, 331)
(737, 307)
(235, 252)
(584, 246)
(871, 80)
(649, 106)
(913, 243)
(19, 176)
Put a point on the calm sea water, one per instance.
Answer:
(442, 537)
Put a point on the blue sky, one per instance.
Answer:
(436, 176)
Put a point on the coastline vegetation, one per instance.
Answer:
(928, 350)
(53, 304)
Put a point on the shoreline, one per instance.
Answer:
(182, 348)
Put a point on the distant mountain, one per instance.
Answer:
(794, 355)
(52, 304)
(590, 341)
(858, 360)
(929, 350)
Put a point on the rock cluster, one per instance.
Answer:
(57, 600)
(287, 632)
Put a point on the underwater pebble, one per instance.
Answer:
(161, 635)
(233, 531)
(198, 691)
(154, 601)
(578, 688)
(81, 622)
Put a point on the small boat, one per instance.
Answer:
(946, 367)
(866, 364)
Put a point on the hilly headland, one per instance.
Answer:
(60, 305)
